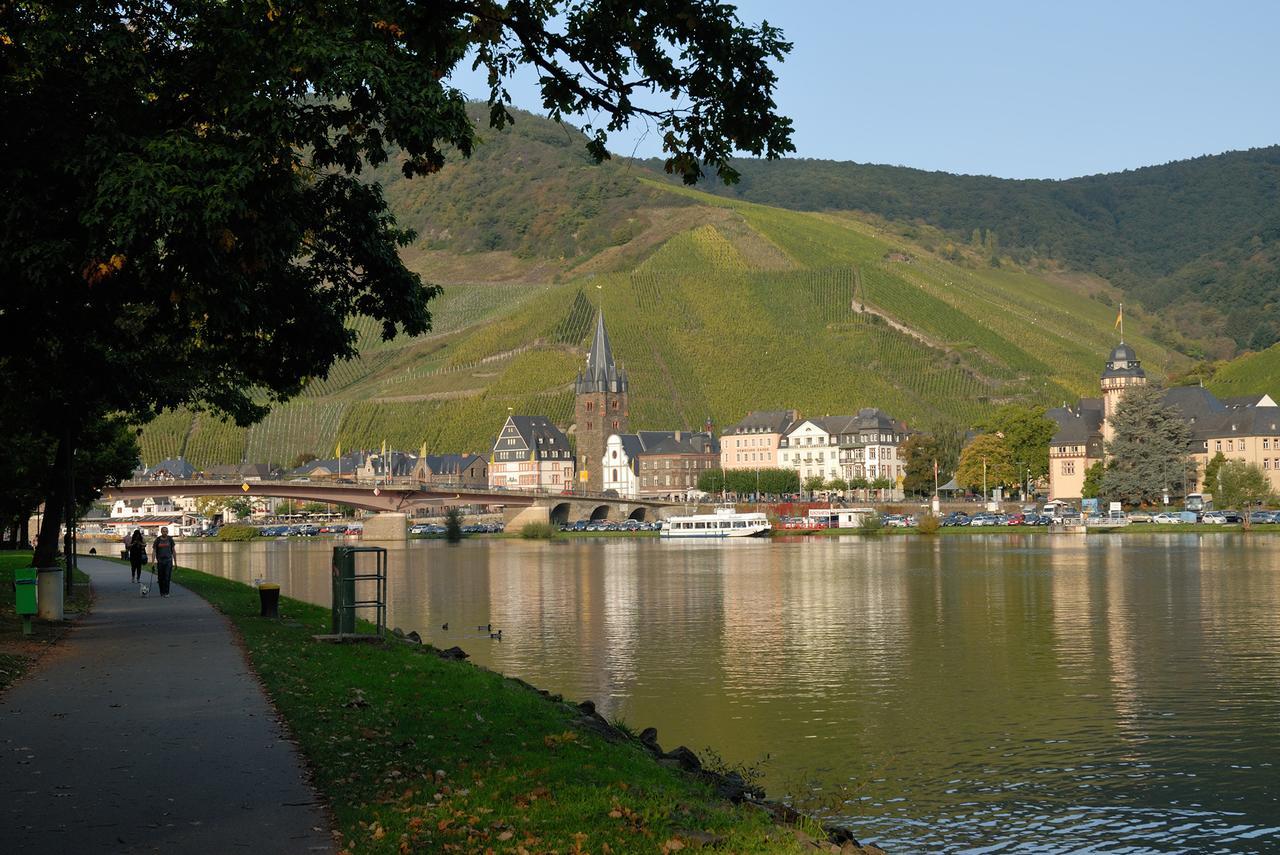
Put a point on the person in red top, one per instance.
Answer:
(162, 552)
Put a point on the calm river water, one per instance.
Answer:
(992, 693)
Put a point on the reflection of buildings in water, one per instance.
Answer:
(1072, 595)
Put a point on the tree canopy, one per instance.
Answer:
(184, 217)
(1241, 485)
(1026, 432)
(986, 460)
(1148, 451)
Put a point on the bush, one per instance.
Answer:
(453, 525)
(928, 524)
(237, 532)
(871, 524)
(539, 531)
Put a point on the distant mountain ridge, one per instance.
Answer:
(1198, 239)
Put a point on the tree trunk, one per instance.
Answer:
(55, 501)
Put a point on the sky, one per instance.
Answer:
(1018, 90)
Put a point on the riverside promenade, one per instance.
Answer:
(145, 731)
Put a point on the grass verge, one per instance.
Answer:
(416, 753)
(19, 652)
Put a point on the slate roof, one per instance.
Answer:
(174, 467)
(539, 435)
(450, 464)
(763, 421)
(1077, 426)
(602, 374)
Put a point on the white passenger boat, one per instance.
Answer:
(724, 522)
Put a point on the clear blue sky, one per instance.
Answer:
(1019, 90)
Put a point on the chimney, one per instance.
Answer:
(679, 436)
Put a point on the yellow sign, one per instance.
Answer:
(583, 477)
(245, 486)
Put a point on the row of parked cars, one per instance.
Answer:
(986, 518)
(437, 530)
(310, 530)
(1259, 517)
(611, 525)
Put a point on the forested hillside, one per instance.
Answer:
(1198, 240)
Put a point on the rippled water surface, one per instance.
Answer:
(977, 693)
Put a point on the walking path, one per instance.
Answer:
(146, 732)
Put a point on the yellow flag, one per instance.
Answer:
(1119, 318)
(337, 451)
(384, 448)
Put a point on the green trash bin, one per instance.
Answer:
(344, 590)
(26, 596)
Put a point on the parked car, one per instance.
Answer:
(1262, 517)
(1167, 518)
(1017, 519)
(1140, 517)
(987, 519)
(956, 518)
(1213, 518)
(1232, 517)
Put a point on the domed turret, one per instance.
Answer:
(1123, 362)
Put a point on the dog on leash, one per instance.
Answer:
(145, 587)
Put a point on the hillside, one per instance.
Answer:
(1198, 240)
(715, 306)
(1251, 374)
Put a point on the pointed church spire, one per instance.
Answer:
(600, 360)
(602, 372)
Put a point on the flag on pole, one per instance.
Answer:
(1120, 318)
(337, 451)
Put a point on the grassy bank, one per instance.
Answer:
(19, 652)
(415, 753)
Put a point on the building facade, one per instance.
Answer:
(753, 442)
(812, 447)
(601, 407)
(531, 453)
(462, 470)
(870, 444)
(654, 464)
(1240, 428)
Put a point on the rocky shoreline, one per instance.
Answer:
(730, 786)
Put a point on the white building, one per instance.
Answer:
(531, 453)
(812, 447)
(151, 506)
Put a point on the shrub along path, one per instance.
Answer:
(146, 731)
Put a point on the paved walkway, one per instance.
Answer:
(145, 731)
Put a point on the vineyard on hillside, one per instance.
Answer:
(842, 316)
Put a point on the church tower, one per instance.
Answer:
(1123, 372)
(601, 407)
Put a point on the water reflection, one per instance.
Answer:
(1015, 692)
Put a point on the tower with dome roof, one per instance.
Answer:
(1122, 373)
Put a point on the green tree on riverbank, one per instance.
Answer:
(186, 223)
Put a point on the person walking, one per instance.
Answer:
(137, 548)
(162, 552)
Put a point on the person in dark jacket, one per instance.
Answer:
(162, 552)
(137, 555)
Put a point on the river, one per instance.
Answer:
(985, 693)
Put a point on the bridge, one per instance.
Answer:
(396, 500)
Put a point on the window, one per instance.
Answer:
(615, 454)
(615, 406)
(1266, 463)
(1068, 467)
(591, 405)
(1242, 445)
(1229, 445)
(1217, 445)
(1266, 443)
(615, 424)
(588, 425)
